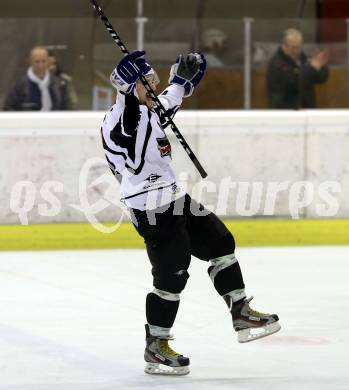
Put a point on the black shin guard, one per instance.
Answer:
(161, 312)
(227, 279)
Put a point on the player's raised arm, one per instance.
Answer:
(126, 73)
(185, 75)
(125, 78)
(188, 72)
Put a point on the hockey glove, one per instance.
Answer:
(188, 72)
(128, 71)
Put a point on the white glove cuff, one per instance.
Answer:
(118, 83)
(185, 84)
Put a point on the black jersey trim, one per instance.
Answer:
(123, 155)
(131, 115)
(144, 149)
(110, 162)
(144, 192)
(163, 120)
(107, 148)
(145, 145)
(124, 133)
(123, 141)
(113, 170)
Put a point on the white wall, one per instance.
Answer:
(257, 147)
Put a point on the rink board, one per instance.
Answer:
(248, 155)
(266, 232)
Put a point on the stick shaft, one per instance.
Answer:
(156, 100)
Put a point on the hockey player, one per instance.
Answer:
(173, 225)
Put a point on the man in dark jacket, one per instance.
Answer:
(291, 76)
(38, 90)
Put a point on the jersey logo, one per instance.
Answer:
(152, 178)
(164, 146)
(174, 188)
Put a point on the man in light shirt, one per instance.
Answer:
(38, 89)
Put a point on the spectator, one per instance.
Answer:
(214, 44)
(291, 76)
(55, 68)
(38, 90)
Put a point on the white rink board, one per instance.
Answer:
(73, 320)
(247, 146)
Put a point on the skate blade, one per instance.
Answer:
(161, 369)
(251, 334)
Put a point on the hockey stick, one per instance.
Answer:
(156, 100)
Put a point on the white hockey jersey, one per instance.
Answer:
(138, 151)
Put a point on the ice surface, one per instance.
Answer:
(74, 320)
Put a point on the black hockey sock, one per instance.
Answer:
(226, 279)
(161, 312)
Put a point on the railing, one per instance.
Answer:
(238, 53)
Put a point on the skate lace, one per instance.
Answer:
(255, 313)
(165, 348)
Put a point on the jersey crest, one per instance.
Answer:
(164, 146)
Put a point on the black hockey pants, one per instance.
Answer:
(176, 231)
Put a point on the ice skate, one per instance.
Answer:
(251, 324)
(161, 359)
